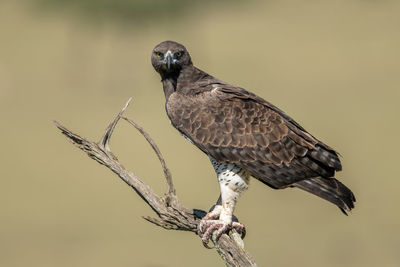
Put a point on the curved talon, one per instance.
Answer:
(201, 229)
(214, 225)
(205, 243)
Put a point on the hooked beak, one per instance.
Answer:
(169, 59)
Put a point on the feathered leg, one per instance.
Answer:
(233, 181)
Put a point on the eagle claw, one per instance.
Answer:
(207, 228)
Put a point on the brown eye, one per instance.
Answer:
(158, 54)
(178, 54)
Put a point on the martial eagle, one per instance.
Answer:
(243, 135)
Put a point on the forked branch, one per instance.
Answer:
(171, 213)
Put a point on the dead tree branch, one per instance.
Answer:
(171, 213)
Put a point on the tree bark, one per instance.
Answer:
(171, 214)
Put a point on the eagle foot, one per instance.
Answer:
(207, 228)
(212, 215)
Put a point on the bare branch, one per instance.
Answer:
(172, 215)
(106, 158)
(167, 173)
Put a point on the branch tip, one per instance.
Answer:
(104, 141)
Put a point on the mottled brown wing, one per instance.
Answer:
(233, 125)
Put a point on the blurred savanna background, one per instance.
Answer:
(332, 65)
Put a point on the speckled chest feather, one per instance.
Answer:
(231, 176)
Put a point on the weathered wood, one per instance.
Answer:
(172, 215)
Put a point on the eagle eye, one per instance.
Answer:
(159, 54)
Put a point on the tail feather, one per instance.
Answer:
(329, 189)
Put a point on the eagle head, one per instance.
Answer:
(169, 57)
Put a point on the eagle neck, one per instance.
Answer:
(188, 76)
(169, 86)
(178, 80)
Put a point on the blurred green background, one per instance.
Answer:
(332, 65)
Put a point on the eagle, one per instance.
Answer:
(244, 136)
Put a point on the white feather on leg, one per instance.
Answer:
(233, 181)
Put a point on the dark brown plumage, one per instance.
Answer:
(235, 126)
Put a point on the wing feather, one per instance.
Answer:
(233, 125)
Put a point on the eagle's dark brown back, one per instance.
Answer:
(234, 127)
